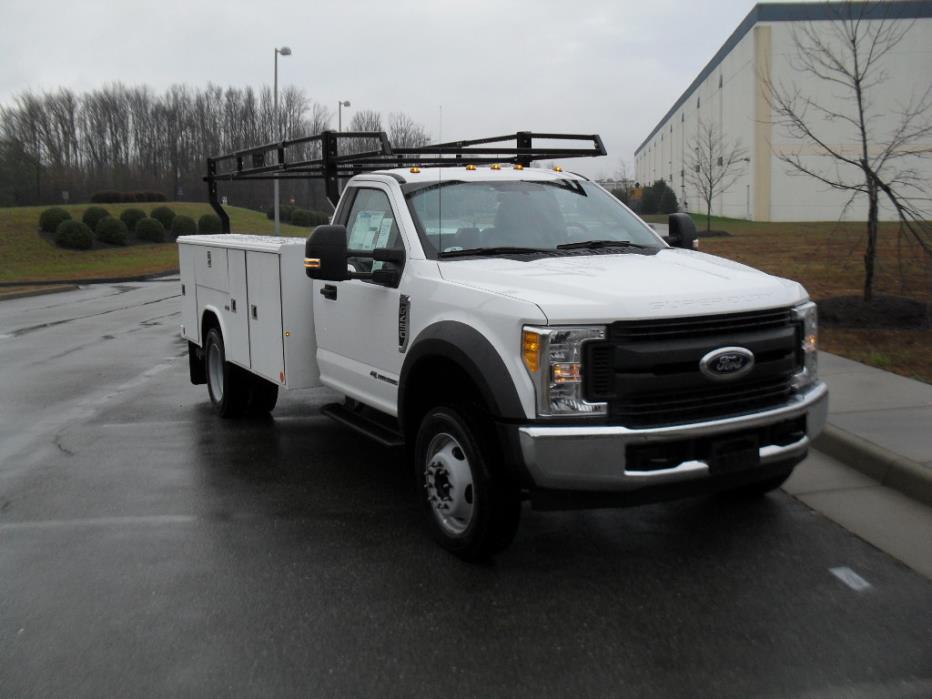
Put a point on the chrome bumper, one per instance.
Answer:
(593, 458)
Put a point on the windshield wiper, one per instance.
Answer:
(592, 244)
(500, 250)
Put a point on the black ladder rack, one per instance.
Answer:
(320, 157)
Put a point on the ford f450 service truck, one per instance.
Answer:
(519, 330)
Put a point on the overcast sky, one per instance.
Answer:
(606, 66)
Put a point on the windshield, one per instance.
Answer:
(455, 217)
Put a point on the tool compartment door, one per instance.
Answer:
(263, 275)
(235, 312)
(190, 322)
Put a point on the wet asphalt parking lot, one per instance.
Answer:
(149, 548)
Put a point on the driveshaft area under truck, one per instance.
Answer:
(518, 330)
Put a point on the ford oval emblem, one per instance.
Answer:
(727, 363)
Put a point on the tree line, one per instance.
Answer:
(62, 144)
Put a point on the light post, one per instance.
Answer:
(340, 105)
(284, 51)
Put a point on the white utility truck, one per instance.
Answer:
(518, 329)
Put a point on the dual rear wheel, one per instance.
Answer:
(234, 391)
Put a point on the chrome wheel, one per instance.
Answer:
(449, 483)
(215, 371)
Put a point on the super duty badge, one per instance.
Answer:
(404, 314)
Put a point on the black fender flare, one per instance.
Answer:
(474, 354)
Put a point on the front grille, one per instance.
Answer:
(648, 371)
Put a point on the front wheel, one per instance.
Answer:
(471, 508)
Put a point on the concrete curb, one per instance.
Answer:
(37, 292)
(91, 280)
(909, 477)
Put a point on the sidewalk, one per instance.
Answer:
(880, 424)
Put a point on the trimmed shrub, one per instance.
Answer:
(163, 215)
(150, 229)
(92, 215)
(107, 196)
(319, 218)
(209, 223)
(74, 235)
(131, 217)
(301, 217)
(183, 225)
(284, 213)
(110, 196)
(50, 219)
(111, 230)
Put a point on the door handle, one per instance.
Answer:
(255, 313)
(329, 291)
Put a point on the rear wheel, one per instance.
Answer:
(470, 507)
(226, 383)
(263, 395)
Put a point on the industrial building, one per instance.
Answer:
(731, 92)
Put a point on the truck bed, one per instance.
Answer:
(256, 287)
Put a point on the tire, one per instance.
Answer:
(263, 395)
(227, 384)
(470, 507)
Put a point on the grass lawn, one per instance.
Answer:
(24, 255)
(828, 259)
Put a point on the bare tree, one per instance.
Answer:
(404, 132)
(713, 164)
(624, 185)
(845, 57)
(363, 120)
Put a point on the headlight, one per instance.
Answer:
(553, 358)
(808, 318)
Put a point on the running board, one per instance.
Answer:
(369, 426)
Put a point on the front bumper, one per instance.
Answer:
(592, 458)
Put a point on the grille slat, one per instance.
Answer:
(705, 401)
(668, 328)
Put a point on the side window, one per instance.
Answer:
(371, 223)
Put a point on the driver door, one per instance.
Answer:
(356, 321)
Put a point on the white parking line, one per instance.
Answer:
(850, 578)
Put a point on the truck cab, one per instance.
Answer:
(526, 337)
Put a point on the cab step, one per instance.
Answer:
(375, 425)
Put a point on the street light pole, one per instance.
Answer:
(340, 105)
(284, 51)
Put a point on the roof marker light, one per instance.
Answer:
(415, 170)
(470, 167)
(495, 166)
(519, 166)
(557, 168)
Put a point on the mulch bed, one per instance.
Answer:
(884, 312)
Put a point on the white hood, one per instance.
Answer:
(603, 288)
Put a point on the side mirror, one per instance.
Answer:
(393, 261)
(682, 232)
(325, 254)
